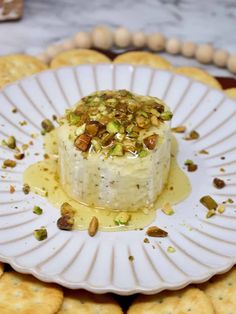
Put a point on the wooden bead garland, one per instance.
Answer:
(102, 38)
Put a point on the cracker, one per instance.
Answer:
(1, 269)
(231, 92)
(83, 302)
(24, 294)
(188, 300)
(143, 58)
(221, 290)
(78, 56)
(199, 75)
(15, 67)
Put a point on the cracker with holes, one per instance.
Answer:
(1, 269)
(78, 56)
(188, 300)
(24, 294)
(221, 290)
(231, 92)
(143, 58)
(199, 75)
(15, 67)
(78, 302)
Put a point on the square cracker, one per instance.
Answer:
(24, 294)
(188, 300)
(221, 289)
(83, 302)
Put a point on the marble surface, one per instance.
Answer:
(47, 21)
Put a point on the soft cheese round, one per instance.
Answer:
(113, 176)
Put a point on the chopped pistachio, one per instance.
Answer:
(26, 188)
(131, 258)
(47, 125)
(142, 122)
(179, 129)
(65, 222)
(122, 218)
(37, 210)
(11, 142)
(156, 232)
(93, 226)
(210, 213)
(154, 120)
(143, 153)
(8, 163)
(167, 209)
(116, 150)
(192, 167)
(218, 183)
(166, 115)
(230, 201)
(19, 156)
(25, 146)
(203, 151)
(14, 110)
(67, 209)
(193, 135)
(82, 142)
(12, 189)
(92, 128)
(41, 234)
(96, 144)
(80, 130)
(113, 127)
(73, 118)
(146, 240)
(170, 249)
(151, 141)
(188, 162)
(208, 202)
(221, 208)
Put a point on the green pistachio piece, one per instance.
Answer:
(208, 202)
(143, 153)
(37, 210)
(113, 127)
(188, 162)
(73, 118)
(96, 144)
(11, 142)
(8, 163)
(166, 115)
(116, 150)
(122, 219)
(47, 125)
(41, 234)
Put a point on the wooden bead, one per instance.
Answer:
(220, 58)
(53, 50)
(139, 40)
(68, 44)
(122, 37)
(156, 42)
(188, 49)
(204, 53)
(231, 64)
(102, 37)
(44, 57)
(82, 40)
(173, 46)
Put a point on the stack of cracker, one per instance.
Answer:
(11, 9)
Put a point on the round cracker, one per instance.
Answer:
(83, 302)
(231, 92)
(188, 300)
(1, 269)
(15, 67)
(221, 290)
(25, 294)
(199, 75)
(78, 56)
(143, 58)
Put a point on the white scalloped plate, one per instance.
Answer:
(203, 247)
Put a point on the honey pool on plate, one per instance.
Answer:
(43, 179)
